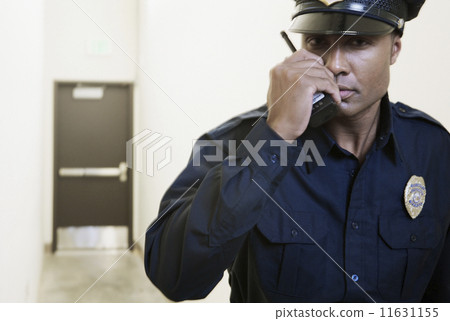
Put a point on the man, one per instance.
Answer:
(355, 210)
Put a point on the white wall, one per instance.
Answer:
(21, 132)
(70, 26)
(212, 59)
(420, 76)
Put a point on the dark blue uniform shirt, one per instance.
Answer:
(310, 233)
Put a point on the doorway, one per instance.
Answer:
(92, 184)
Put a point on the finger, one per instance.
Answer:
(303, 54)
(293, 75)
(308, 66)
(323, 85)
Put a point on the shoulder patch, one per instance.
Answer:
(235, 121)
(404, 111)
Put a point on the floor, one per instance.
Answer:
(96, 276)
(103, 276)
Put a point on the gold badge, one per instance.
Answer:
(330, 2)
(415, 193)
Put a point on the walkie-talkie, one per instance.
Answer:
(324, 108)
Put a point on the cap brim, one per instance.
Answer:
(338, 23)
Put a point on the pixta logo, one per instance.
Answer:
(213, 151)
(149, 150)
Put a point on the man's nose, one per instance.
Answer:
(336, 60)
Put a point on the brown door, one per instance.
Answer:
(92, 185)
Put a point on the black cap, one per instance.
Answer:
(353, 17)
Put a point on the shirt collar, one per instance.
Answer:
(385, 131)
(386, 138)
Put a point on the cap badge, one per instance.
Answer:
(415, 193)
(330, 2)
(401, 23)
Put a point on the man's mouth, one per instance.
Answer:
(345, 92)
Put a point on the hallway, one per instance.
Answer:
(68, 274)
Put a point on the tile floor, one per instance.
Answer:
(69, 276)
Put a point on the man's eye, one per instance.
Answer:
(316, 42)
(359, 42)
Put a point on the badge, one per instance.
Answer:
(415, 193)
(330, 2)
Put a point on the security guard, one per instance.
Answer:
(363, 217)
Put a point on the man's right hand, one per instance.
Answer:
(292, 86)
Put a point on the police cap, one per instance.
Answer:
(353, 17)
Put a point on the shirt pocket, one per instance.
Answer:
(404, 247)
(295, 266)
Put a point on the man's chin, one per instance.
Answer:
(346, 109)
(353, 109)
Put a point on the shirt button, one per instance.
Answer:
(381, 137)
(355, 226)
(294, 232)
(353, 173)
(274, 158)
(413, 237)
(355, 277)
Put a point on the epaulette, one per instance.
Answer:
(404, 111)
(235, 121)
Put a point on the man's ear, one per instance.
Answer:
(396, 48)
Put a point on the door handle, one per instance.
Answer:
(120, 172)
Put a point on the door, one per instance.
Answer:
(92, 185)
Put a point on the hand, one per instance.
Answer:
(292, 86)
